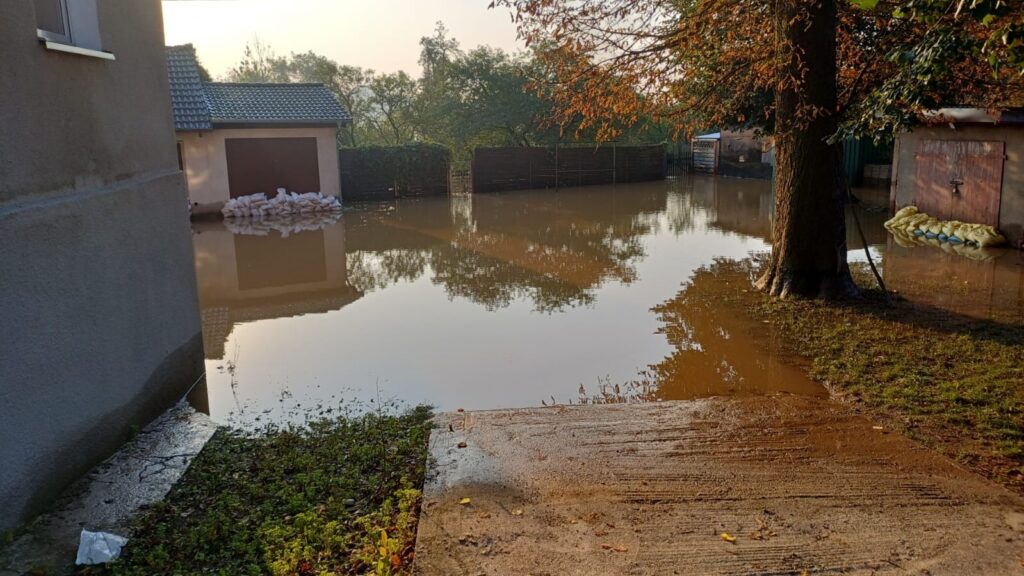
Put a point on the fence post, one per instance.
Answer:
(557, 142)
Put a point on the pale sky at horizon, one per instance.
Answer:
(380, 34)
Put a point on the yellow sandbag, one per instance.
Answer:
(934, 226)
(913, 221)
(899, 218)
(910, 222)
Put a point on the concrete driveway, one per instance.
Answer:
(758, 485)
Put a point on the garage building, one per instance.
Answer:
(236, 139)
(966, 165)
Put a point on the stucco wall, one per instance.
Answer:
(1011, 210)
(97, 295)
(206, 164)
(73, 122)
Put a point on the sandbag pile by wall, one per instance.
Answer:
(909, 222)
(284, 204)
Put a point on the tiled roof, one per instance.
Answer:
(191, 111)
(273, 103)
(200, 105)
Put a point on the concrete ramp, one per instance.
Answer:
(779, 485)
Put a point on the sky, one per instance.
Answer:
(382, 35)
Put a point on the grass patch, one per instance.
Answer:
(338, 496)
(953, 382)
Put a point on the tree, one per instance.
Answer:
(809, 235)
(393, 115)
(259, 64)
(805, 69)
(349, 83)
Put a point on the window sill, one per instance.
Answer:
(57, 46)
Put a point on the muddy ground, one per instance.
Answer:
(757, 485)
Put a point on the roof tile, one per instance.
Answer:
(271, 103)
(200, 105)
(191, 111)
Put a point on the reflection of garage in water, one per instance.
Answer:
(241, 139)
(245, 278)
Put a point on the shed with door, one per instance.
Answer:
(237, 139)
(965, 165)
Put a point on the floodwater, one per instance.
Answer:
(514, 299)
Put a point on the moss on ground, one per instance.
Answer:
(952, 382)
(339, 496)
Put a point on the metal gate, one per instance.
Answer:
(705, 156)
(960, 179)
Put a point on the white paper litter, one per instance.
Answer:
(98, 548)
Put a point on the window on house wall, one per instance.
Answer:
(52, 20)
(70, 23)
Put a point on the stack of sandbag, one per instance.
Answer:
(284, 204)
(909, 240)
(285, 225)
(909, 221)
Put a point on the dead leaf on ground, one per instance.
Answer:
(464, 501)
(764, 530)
(462, 445)
(728, 537)
(517, 512)
(618, 548)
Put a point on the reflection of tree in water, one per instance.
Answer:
(494, 283)
(556, 266)
(699, 330)
(717, 350)
(554, 251)
(370, 271)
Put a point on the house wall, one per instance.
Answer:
(1011, 209)
(206, 165)
(97, 295)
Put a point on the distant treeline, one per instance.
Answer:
(462, 100)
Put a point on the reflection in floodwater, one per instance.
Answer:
(988, 285)
(716, 351)
(503, 300)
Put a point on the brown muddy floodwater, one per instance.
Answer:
(508, 300)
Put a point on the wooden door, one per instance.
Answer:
(981, 191)
(960, 180)
(265, 164)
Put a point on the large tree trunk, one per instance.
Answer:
(809, 234)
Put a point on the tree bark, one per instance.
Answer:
(809, 234)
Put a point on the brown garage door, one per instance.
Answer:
(265, 164)
(960, 179)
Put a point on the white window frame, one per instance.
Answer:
(51, 36)
(81, 30)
